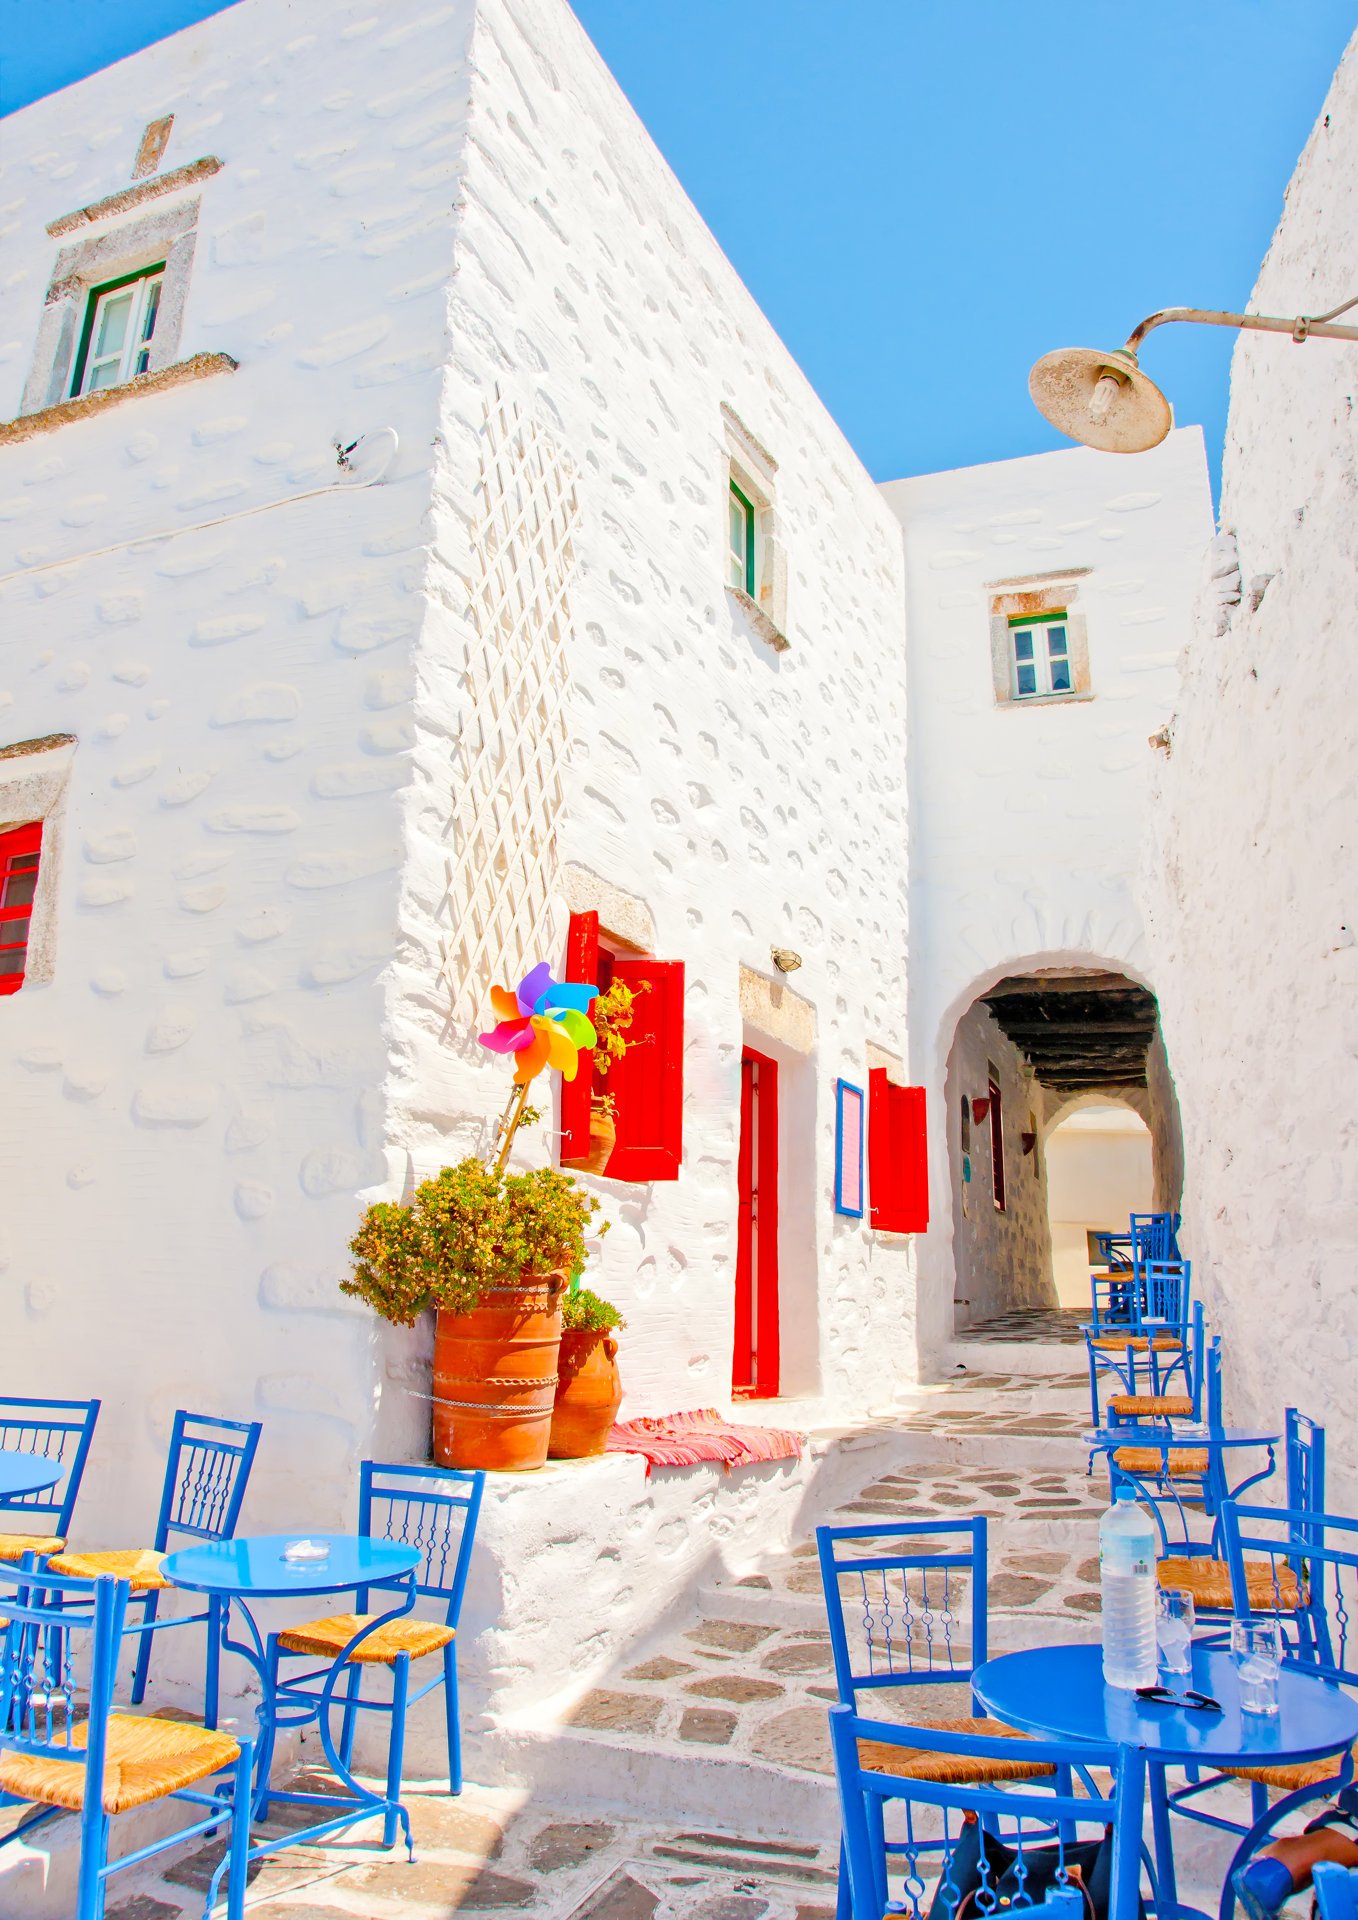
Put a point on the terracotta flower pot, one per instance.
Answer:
(603, 1137)
(588, 1396)
(495, 1376)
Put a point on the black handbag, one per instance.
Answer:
(1015, 1879)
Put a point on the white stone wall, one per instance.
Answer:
(744, 797)
(1248, 879)
(1027, 820)
(1003, 1259)
(193, 1104)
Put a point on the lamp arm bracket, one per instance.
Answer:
(1301, 329)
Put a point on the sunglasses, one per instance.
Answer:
(1169, 1698)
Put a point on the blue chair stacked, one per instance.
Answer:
(59, 1430)
(436, 1510)
(206, 1474)
(1336, 1891)
(57, 1757)
(1152, 1344)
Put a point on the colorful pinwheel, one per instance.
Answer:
(542, 1025)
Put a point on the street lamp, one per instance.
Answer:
(1104, 400)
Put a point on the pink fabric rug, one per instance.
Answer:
(680, 1439)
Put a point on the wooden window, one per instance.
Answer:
(20, 850)
(1039, 646)
(898, 1159)
(996, 1141)
(741, 542)
(120, 318)
(647, 1083)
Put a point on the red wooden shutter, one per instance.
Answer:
(20, 850)
(582, 963)
(648, 1081)
(898, 1164)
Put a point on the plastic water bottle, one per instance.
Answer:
(1127, 1539)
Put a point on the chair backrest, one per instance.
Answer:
(906, 1602)
(206, 1474)
(1154, 1236)
(1336, 1890)
(65, 1628)
(59, 1430)
(1305, 1463)
(1313, 1560)
(432, 1508)
(1166, 1286)
(1032, 1815)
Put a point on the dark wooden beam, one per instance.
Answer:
(1025, 1029)
(1063, 983)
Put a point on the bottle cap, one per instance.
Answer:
(1125, 1492)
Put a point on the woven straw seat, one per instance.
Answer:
(145, 1760)
(952, 1769)
(328, 1638)
(1138, 1342)
(1151, 1406)
(1184, 1463)
(1289, 1779)
(13, 1546)
(1209, 1582)
(139, 1566)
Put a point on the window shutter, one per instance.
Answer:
(898, 1166)
(18, 885)
(582, 963)
(648, 1081)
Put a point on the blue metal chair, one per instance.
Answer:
(916, 1618)
(52, 1755)
(1016, 1818)
(1155, 1405)
(206, 1474)
(1336, 1890)
(59, 1430)
(1153, 1345)
(434, 1509)
(1301, 1567)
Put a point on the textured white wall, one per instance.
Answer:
(1003, 1259)
(1027, 821)
(747, 797)
(193, 1106)
(1248, 879)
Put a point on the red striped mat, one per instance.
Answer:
(680, 1439)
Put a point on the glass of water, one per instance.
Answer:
(1174, 1635)
(1257, 1648)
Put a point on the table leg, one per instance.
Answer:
(1166, 1888)
(1127, 1837)
(216, 1633)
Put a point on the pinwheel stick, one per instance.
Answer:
(509, 1122)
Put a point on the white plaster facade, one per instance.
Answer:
(1027, 819)
(441, 227)
(1249, 874)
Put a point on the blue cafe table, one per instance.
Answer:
(22, 1473)
(1059, 1693)
(236, 1575)
(1219, 1444)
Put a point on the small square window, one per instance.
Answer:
(120, 319)
(740, 542)
(1039, 655)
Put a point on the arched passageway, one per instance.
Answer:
(1034, 1049)
(1100, 1168)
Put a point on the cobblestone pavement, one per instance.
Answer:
(728, 1712)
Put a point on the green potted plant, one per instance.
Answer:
(589, 1390)
(612, 1014)
(489, 1252)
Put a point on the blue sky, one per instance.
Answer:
(926, 197)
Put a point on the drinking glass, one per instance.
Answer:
(1174, 1635)
(1257, 1648)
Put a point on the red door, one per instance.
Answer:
(754, 1373)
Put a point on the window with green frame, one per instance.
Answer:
(1039, 655)
(115, 341)
(740, 568)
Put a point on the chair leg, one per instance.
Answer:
(400, 1689)
(141, 1671)
(452, 1713)
(239, 1854)
(843, 1897)
(353, 1693)
(93, 1858)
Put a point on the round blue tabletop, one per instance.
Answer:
(1059, 1692)
(1179, 1434)
(26, 1472)
(257, 1569)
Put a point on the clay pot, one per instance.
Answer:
(588, 1396)
(603, 1137)
(495, 1376)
